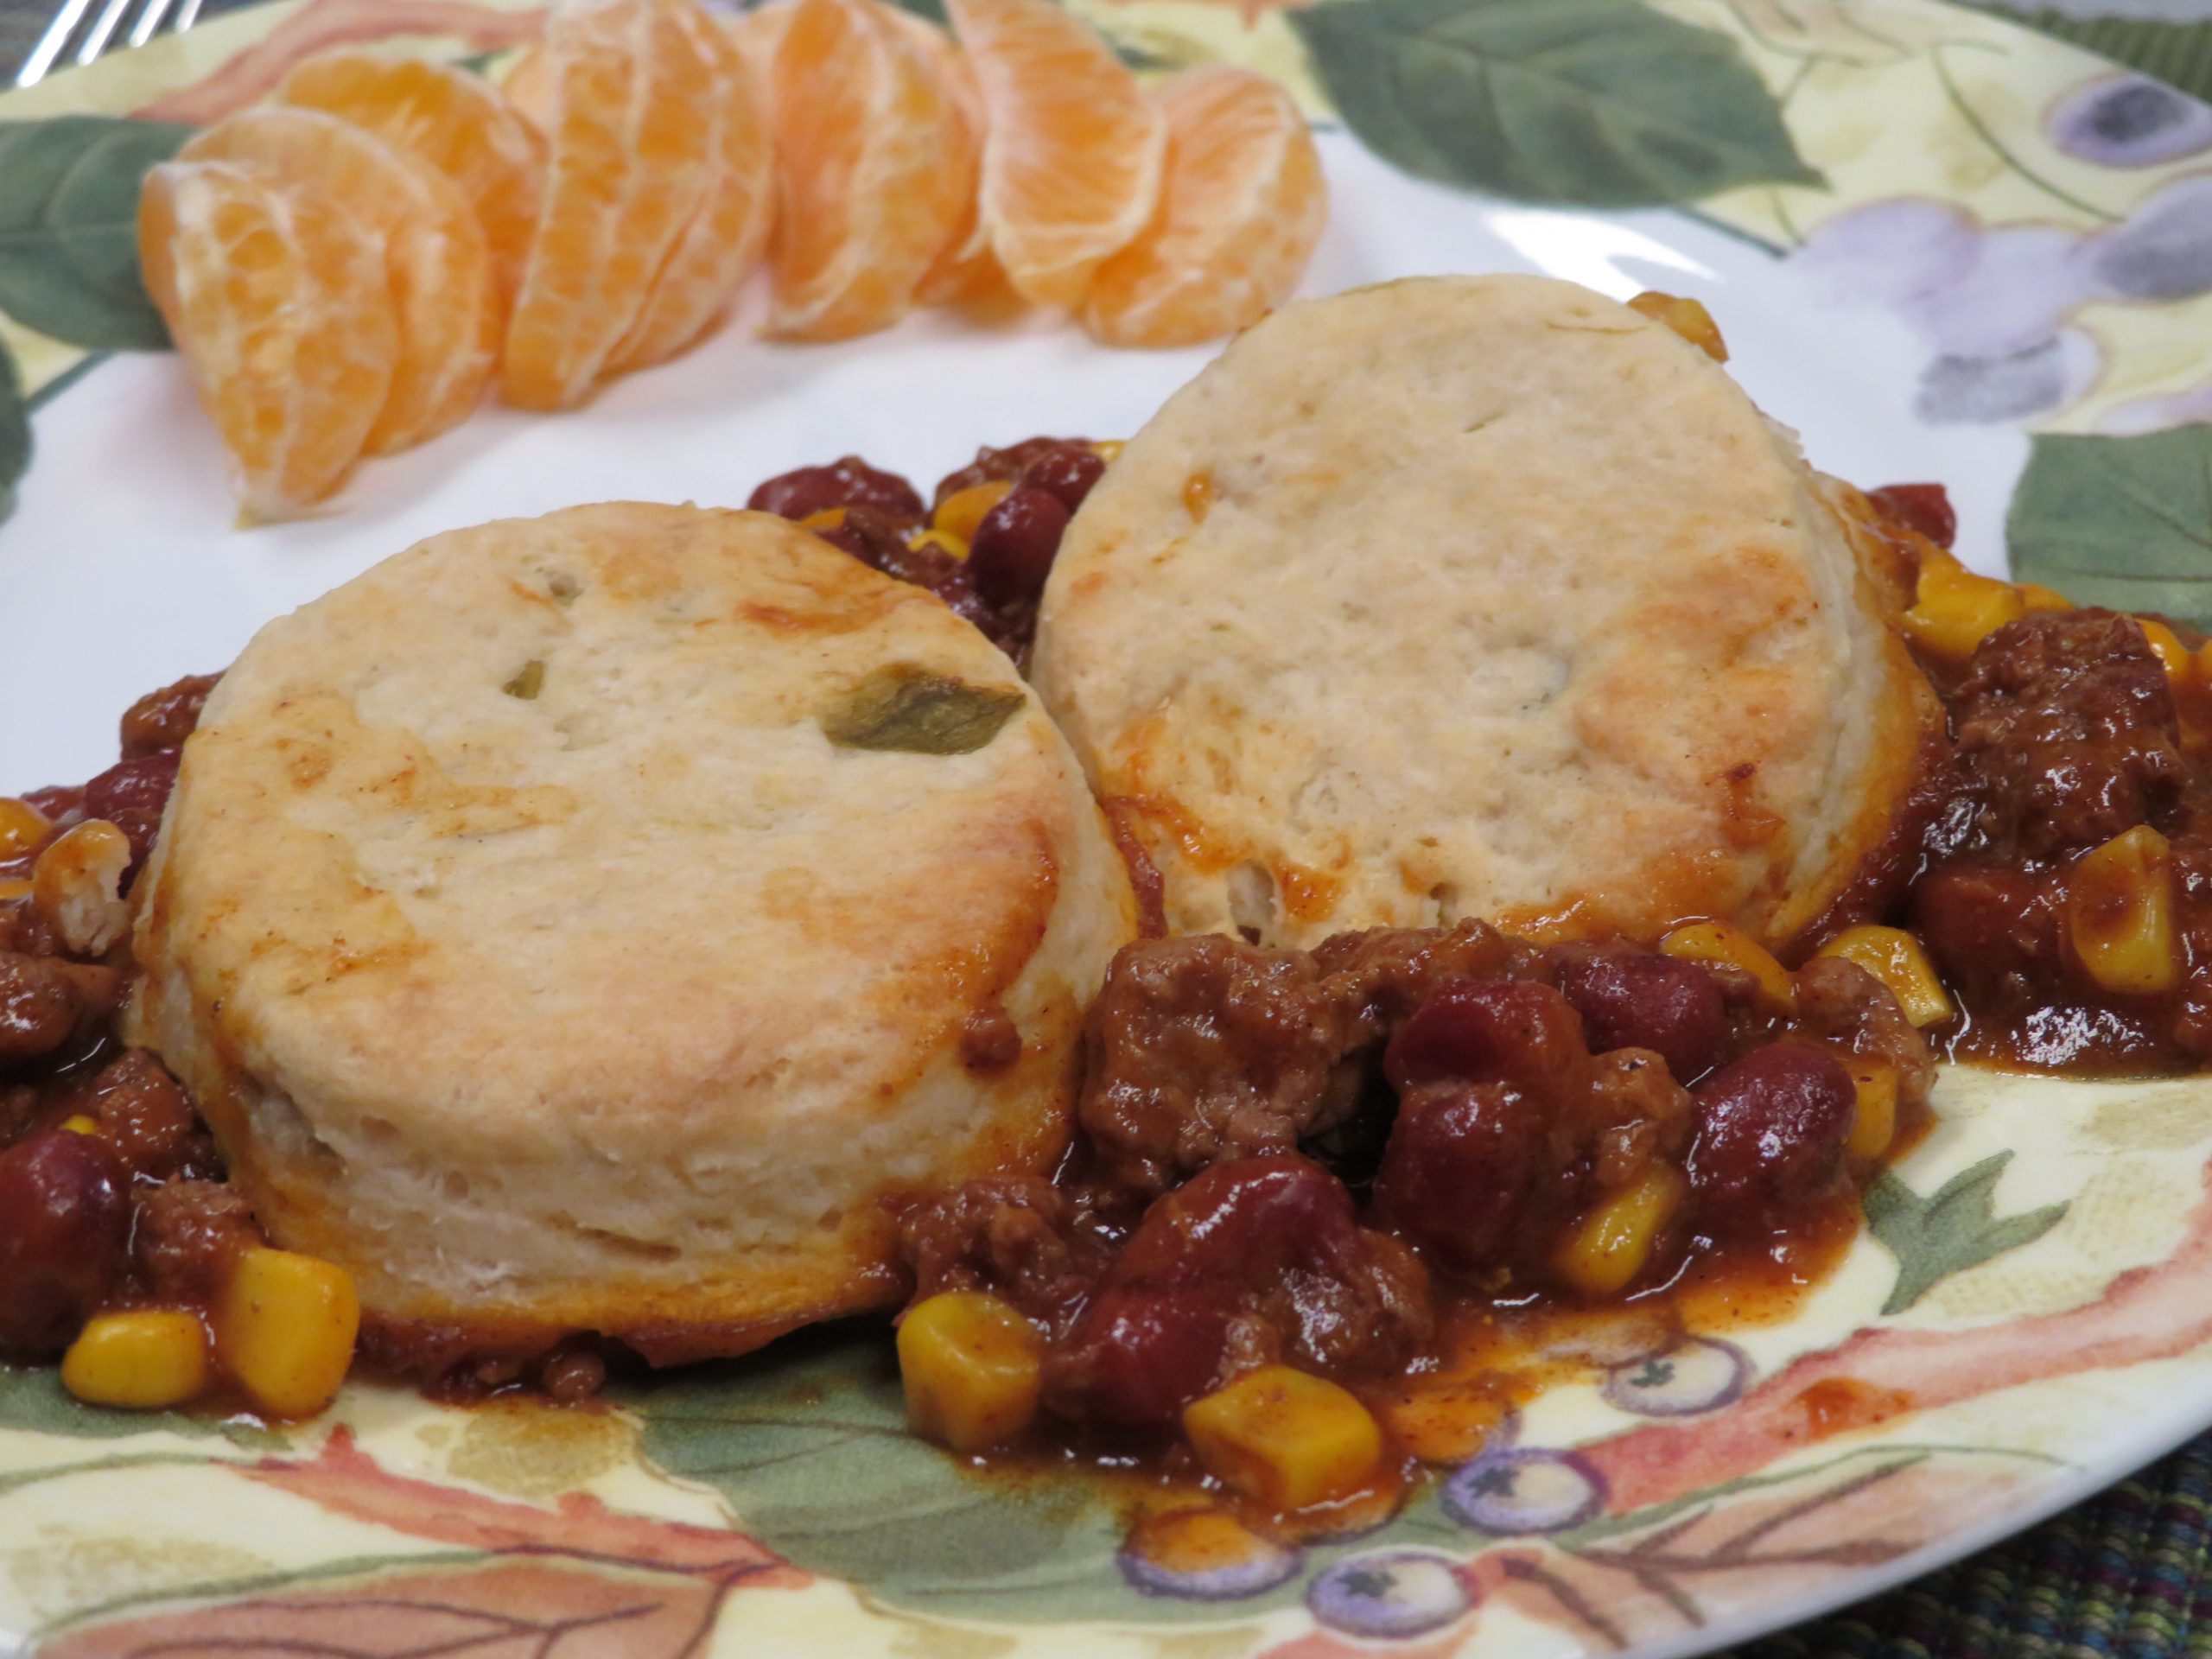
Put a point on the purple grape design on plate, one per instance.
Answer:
(1392, 1594)
(1518, 1492)
(1696, 1375)
(2130, 121)
(2162, 251)
(1268, 1565)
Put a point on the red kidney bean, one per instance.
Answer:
(1656, 1002)
(65, 1225)
(131, 796)
(1924, 507)
(61, 803)
(851, 482)
(1015, 546)
(1247, 1219)
(1008, 464)
(1456, 1176)
(1139, 1353)
(1067, 472)
(1486, 1031)
(1272, 1241)
(1771, 1131)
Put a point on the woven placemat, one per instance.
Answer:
(2125, 1575)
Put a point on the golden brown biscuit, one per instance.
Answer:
(591, 922)
(1476, 597)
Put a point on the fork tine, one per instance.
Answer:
(188, 16)
(149, 20)
(95, 42)
(50, 43)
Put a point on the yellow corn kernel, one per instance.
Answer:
(1109, 449)
(1954, 610)
(2119, 913)
(78, 1123)
(2036, 597)
(973, 1368)
(1610, 1246)
(23, 826)
(142, 1359)
(827, 519)
(944, 540)
(959, 513)
(1284, 1437)
(284, 1327)
(1687, 318)
(1728, 946)
(1895, 958)
(1874, 1121)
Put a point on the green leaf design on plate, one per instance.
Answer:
(69, 227)
(920, 712)
(810, 1444)
(32, 1397)
(1935, 1238)
(15, 431)
(2177, 53)
(1587, 103)
(2124, 522)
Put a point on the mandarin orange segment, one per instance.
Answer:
(759, 32)
(630, 163)
(964, 266)
(1242, 206)
(869, 177)
(278, 302)
(436, 258)
(457, 122)
(1072, 148)
(725, 239)
(528, 86)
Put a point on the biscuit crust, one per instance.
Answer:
(535, 955)
(1478, 596)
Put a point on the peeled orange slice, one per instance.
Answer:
(759, 32)
(457, 122)
(1242, 205)
(277, 299)
(965, 265)
(528, 85)
(627, 111)
(434, 253)
(869, 179)
(726, 237)
(1071, 150)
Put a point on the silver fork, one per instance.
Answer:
(118, 23)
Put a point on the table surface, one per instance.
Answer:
(2125, 1575)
